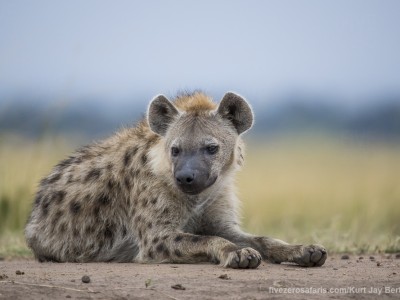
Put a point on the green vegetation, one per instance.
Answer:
(337, 192)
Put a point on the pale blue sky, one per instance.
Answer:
(116, 49)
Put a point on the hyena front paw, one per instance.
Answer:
(243, 259)
(312, 256)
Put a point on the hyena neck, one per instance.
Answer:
(219, 190)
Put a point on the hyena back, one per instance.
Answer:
(158, 192)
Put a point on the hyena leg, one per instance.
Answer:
(188, 248)
(277, 251)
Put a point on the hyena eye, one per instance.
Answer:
(212, 149)
(174, 151)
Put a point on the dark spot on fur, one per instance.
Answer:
(154, 201)
(75, 207)
(144, 159)
(138, 218)
(70, 178)
(144, 202)
(178, 253)
(111, 184)
(93, 175)
(63, 227)
(38, 199)
(96, 211)
(44, 181)
(149, 225)
(140, 234)
(89, 229)
(76, 251)
(56, 219)
(165, 237)
(108, 232)
(167, 222)
(150, 254)
(59, 196)
(124, 231)
(178, 238)
(136, 173)
(54, 178)
(101, 244)
(45, 206)
(195, 239)
(166, 252)
(160, 247)
(155, 240)
(145, 242)
(165, 210)
(76, 232)
(85, 151)
(104, 200)
(128, 156)
(72, 160)
(127, 183)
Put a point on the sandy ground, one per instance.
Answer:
(355, 278)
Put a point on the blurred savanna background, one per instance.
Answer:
(323, 77)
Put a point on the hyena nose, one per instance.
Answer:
(184, 177)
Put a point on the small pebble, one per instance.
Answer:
(372, 258)
(147, 283)
(3, 276)
(335, 269)
(378, 264)
(85, 279)
(18, 272)
(68, 296)
(73, 280)
(345, 256)
(178, 287)
(224, 276)
(361, 257)
(398, 255)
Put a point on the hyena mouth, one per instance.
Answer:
(197, 188)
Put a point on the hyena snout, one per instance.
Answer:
(192, 178)
(185, 177)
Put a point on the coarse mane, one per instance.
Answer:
(194, 102)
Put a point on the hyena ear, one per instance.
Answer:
(235, 109)
(161, 114)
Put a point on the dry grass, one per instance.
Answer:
(342, 194)
(337, 192)
(22, 164)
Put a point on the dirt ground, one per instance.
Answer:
(358, 277)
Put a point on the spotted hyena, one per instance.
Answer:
(161, 191)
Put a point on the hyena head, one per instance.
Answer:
(199, 137)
